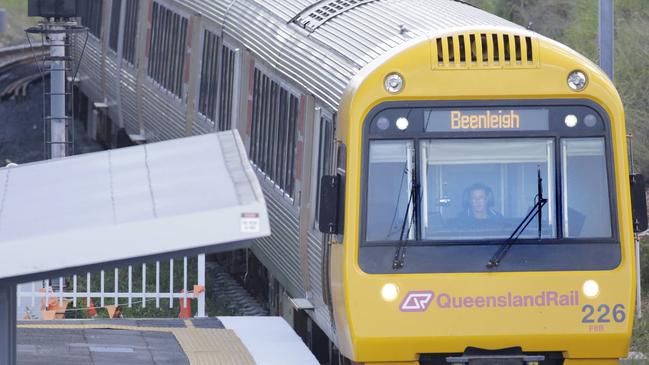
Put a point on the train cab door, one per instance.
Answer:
(323, 157)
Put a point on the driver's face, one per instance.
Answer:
(478, 201)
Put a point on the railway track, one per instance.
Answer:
(13, 59)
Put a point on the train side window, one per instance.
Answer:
(114, 24)
(90, 12)
(166, 58)
(209, 76)
(586, 208)
(130, 28)
(325, 157)
(227, 87)
(292, 142)
(274, 131)
(130, 31)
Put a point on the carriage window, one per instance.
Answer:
(209, 76)
(114, 24)
(389, 191)
(130, 31)
(325, 154)
(167, 53)
(130, 28)
(483, 188)
(226, 88)
(90, 14)
(586, 209)
(273, 135)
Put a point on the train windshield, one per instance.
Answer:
(481, 189)
(474, 189)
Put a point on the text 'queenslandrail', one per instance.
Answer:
(418, 301)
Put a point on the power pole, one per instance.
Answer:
(59, 121)
(606, 36)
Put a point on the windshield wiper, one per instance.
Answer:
(536, 210)
(400, 252)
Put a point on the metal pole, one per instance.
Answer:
(200, 312)
(606, 37)
(7, 323)
(58, 121)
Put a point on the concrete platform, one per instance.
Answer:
(223, 340)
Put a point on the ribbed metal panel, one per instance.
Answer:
(91, 68)
(286, 10)
(280, 250)
(210, 9)
(163, 113)
(324, 61)
(321, 310)
(312, 18)
(308, 65)
(371, 30)
(202, 125)
(128, 100)
(111, 80)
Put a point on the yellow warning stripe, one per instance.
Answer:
(201, 345)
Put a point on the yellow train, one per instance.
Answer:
(470, 176)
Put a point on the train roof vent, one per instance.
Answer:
(314, 17)
(484, 50)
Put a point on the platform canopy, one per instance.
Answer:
(158, 199)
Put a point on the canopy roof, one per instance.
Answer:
(156, 199)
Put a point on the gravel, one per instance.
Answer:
(21, 123)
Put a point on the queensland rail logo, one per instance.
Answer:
(417, 301)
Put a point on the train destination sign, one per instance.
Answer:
(485, 120)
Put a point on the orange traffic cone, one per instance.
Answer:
(91, 312)
(185, 307)
(198, 289)
(51, 301)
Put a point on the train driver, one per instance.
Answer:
(478, 205)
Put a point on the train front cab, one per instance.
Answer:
(495, 124)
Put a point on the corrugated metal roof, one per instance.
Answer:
(286, 10)
(368, 31)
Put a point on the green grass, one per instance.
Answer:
(17, 21)
(640, 340)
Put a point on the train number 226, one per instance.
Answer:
(604, 314)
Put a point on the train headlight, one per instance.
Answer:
(571, 120)
(383, 123)
(393, 83)
(389, 292)
(577, 80)
(590, 289)
(590, 120)
(402, 123)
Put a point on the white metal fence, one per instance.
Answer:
(31, 296)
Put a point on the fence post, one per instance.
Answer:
(200, 310)
(105, 291)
